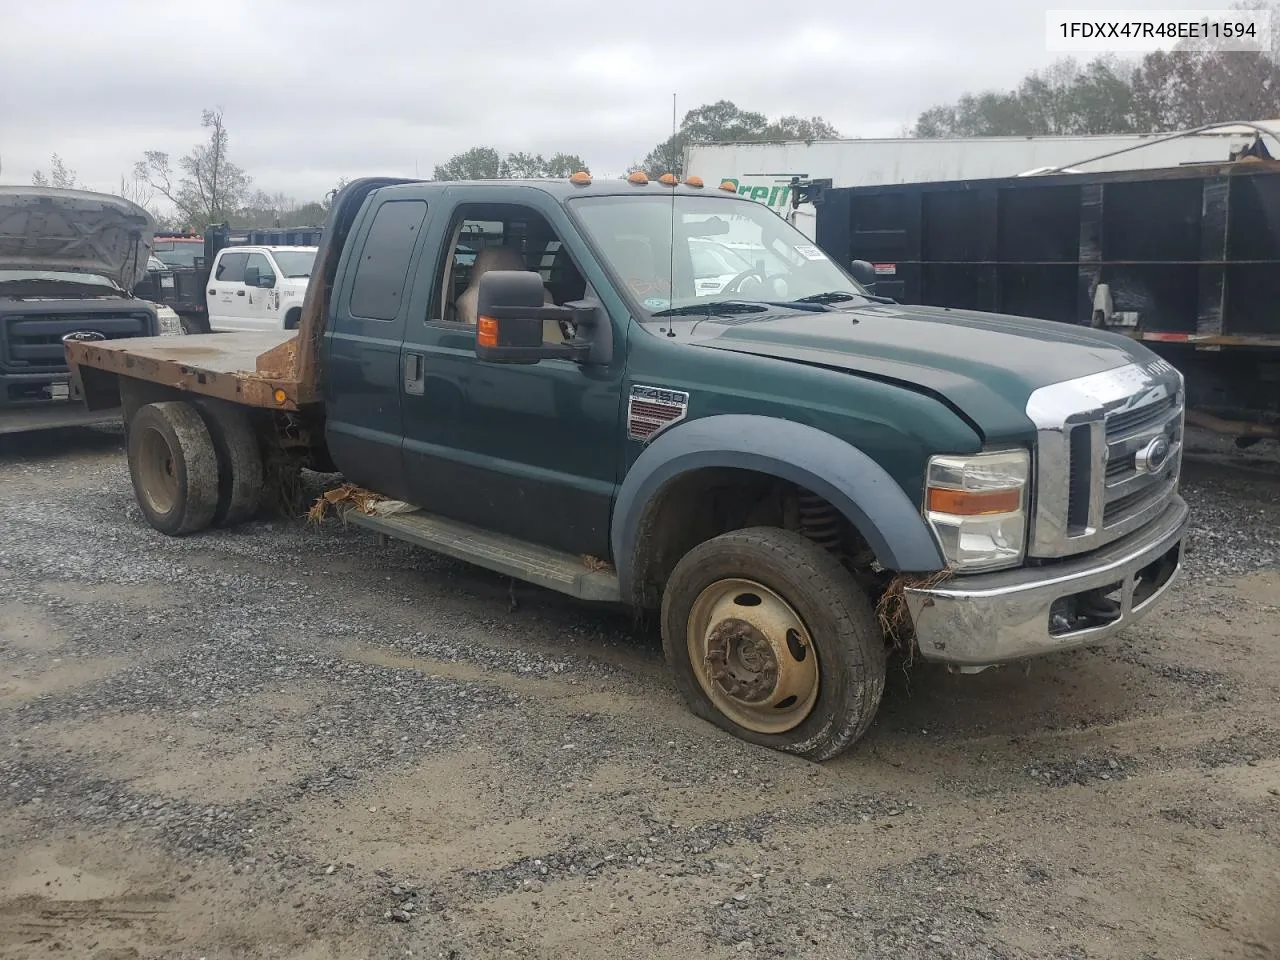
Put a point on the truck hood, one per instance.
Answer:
(43, 228)
(982, 364)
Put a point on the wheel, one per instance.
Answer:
(174, 467)
(771, 639)
(240, 471)
(193, 324)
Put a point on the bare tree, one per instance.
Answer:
(136, 190)
(211, 189)
(59, 175)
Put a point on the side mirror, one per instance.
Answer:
(864, 273)
(251, 276)
(510, 309)
(267, 280)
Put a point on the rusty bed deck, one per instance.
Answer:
(247, 368)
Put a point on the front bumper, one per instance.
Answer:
(50, 416)
(987, 619)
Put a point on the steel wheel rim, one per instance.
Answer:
(159, 472)
(753, 656)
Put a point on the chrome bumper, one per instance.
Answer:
(992, 618)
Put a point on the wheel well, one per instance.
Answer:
(701, 504)
(291, 317)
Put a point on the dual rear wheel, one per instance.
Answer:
(194, 465)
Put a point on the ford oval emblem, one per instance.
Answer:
(79, 336)
(1153, 457)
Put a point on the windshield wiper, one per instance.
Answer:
(841, 296)
(713, 307)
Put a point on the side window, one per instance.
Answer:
(501, 237)
(261, 263)
(231, 268)
(378, 286)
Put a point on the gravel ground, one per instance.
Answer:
(292, 741)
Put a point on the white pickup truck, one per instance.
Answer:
(258, 288)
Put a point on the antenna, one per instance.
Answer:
(671, 249)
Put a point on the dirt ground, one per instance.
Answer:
(293, 742)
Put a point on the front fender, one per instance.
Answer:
(846, 477)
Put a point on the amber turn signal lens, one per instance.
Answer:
(693, 181)
(638, 178)
(971, 503)
(729, 185)
(280, 396)
(487, 332)
(580, 179)
(668, 180)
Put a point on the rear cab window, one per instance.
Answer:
(378, 286)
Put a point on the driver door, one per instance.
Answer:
(530, 450)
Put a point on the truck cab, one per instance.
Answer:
(258, 287)
(790, 474)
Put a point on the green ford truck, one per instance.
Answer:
(580, 384)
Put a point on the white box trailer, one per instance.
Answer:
(763, 171)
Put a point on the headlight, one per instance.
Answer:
(170, 323)
(977, 507)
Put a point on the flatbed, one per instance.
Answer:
(253, 369)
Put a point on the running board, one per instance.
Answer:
(562, 572)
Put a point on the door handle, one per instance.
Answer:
(239, 293)
(414, 381)
(213, 293)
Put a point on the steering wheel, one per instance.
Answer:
(736, 284)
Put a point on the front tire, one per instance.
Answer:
(770, 638)
(174, 467)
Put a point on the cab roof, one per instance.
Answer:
(565, 190)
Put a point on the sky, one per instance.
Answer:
(314, 90)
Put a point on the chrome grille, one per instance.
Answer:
(1099, 473)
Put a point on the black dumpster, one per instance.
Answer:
(1186, 259)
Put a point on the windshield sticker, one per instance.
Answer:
(809, 251)
(656, 303)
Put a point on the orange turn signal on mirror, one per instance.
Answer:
(487, 332)
(971, 503)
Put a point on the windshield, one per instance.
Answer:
(178, 253)
(57, 276)
(295, 263)
(725, 250)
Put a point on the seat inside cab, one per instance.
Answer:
(505, 237)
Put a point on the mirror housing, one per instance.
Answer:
(254, 278)
(510, 309)
(864, 273)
